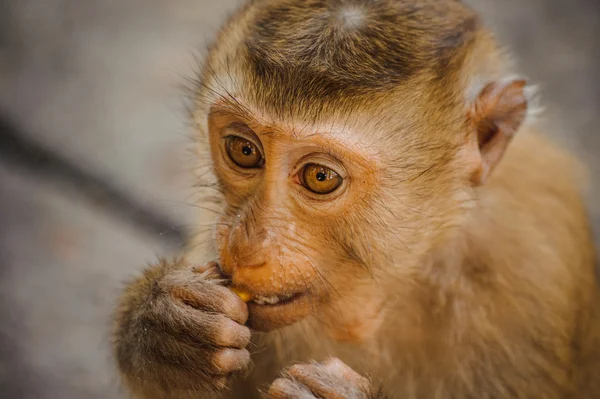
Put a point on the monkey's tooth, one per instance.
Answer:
(272, 300)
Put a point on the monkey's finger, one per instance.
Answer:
(215, 298)
(228, 360)
(282, 388)
(325, 384)
(205, 363)
(336, 367)
(207, 328)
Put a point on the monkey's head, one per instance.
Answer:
(346, 138)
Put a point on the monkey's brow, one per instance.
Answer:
(339, 144)
(270, 127)
(336, 142)
(315, 134)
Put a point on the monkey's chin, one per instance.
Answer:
(271, 317)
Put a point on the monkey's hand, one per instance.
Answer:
(178, 331)
(331, 379)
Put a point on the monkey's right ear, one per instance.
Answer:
(494, 118)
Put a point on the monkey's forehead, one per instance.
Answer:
(326, 50)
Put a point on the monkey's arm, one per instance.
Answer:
(178, 333)
(331, 379)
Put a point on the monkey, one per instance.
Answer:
(389, 220)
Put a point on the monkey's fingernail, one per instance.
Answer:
(243, 294)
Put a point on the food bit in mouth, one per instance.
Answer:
(243, 294)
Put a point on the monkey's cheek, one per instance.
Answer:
(271, 317)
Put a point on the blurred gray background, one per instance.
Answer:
(92, 142)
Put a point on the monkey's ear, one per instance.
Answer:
(495, 117)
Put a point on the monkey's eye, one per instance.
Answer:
(319, 179)
(243, 153)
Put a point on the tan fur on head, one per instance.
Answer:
(308, 49)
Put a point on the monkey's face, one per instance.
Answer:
(293, 217)
(330, 219)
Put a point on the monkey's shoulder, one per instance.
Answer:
(539, 186)
(534, 210)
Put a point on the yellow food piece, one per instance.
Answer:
(243, 294)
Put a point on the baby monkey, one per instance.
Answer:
(394, 223)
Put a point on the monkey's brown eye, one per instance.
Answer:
(243, 153)
(320, 179)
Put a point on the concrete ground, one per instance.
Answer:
(95, 83)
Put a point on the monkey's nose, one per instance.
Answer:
(244, 249)
(235, 260)
(242, 255)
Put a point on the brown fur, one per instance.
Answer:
(428, 273)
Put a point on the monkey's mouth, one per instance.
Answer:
(270, 312)
(263, 300)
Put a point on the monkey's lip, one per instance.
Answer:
(277, 311)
